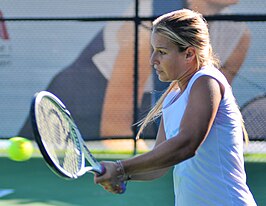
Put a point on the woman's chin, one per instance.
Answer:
(163, 78)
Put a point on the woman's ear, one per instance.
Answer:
(190, 53)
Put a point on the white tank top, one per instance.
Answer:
(215, 175)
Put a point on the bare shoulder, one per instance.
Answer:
(207, 85)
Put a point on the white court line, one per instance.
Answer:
(4, 192)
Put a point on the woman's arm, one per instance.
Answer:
(196, 123)
(198, 118)
(157, 173)
(110, 185)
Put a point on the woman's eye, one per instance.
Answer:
(162, 52)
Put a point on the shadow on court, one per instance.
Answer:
(35, 185)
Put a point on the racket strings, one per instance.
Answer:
(58, 138)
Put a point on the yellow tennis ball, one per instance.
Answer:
(20, 149)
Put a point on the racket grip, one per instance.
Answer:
(121, 187)
(103, 170)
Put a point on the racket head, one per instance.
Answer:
(51, 120)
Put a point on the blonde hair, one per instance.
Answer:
(185, 28)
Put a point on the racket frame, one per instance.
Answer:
(85, 153)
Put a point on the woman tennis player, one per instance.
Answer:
(201, 131)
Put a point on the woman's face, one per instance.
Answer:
(166, 58)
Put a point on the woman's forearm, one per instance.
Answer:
(149, 175)
(165, 155)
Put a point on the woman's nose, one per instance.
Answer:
(152, 60)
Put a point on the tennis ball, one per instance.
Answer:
(20, 149)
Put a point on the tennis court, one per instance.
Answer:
(46, 46)
(34, 184)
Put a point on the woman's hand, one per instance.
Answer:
(112, 180)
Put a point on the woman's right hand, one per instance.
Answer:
(111, 179)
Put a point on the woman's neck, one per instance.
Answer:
(185, 77)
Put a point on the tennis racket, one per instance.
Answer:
(59, 139)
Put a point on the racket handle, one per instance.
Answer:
(121, 187)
